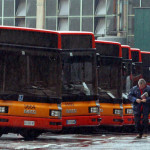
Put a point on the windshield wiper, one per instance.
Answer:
(125, 95)
(86, 89)
(27, 90)
(9, 93)
(107, 92)
(37, 88)
(75, 89)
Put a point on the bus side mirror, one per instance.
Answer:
(98, 59)
(133, 68)
(124, 67)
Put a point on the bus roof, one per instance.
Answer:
(28, 29)
(75, 32)
(46, 38)
(129, 50)
(110, 43)
(135, 49)
(77, 39)
(145, 52)
(139, 53)
(145, 58)
(28, 37)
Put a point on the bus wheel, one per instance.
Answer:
(30, 134)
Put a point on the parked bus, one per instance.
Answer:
(146, 65)
(30, 82)
(109, 68)
(80, 106)
(128, 118)
(137, 69)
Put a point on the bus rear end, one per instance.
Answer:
(30, 90)
(80, 106)
(109, 65)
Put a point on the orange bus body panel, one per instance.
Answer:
(18, 112)
(108, 118)
(79, 112)
(39, 123)
(21, 109)
(127, 118)
(81, 121)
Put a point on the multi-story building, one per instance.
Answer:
(106, 18)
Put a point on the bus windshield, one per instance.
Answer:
(137, 70)
(108, 49)
(76, 41)
(146, 66)
(78, 70)
(109, 77)
(28, 75)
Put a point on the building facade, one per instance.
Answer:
(105, 18)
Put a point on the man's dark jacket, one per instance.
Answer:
(134, 94)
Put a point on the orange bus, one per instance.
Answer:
(30, 82)
(127, 85)
(80, 106)
(109, 68)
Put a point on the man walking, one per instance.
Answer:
(140, 97)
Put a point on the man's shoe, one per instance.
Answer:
(139, 136)
(144, 135)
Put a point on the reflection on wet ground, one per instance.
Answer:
(104, 141)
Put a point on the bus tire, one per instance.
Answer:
(30, 134)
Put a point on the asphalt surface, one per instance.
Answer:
(78, 141)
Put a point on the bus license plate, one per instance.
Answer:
(71, 122)
(29, 123)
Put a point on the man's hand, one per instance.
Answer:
(143, 97)
(138, 101)
(143, 100)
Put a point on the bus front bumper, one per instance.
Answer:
(31, 122)
(112, 120)
(81, 121)
(128, 120)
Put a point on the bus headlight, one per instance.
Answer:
(55, 113)
(94, 109)
(3, 109)
(117, 111)
(129, 111)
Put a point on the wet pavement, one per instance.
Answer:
(111, 141)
